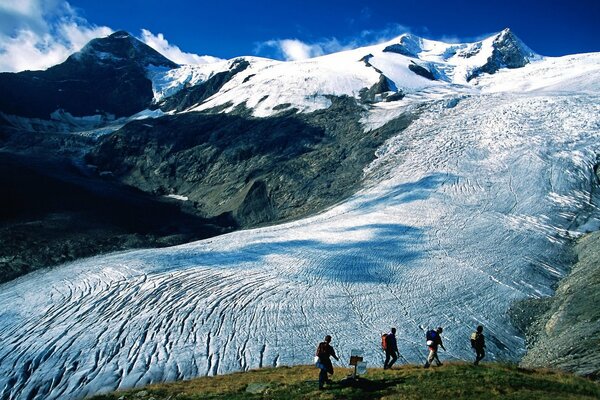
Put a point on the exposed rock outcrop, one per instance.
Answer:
(564, 330)
(408, 45)
(191, 96)
(508, 52)
(258, 170)
(421, 71)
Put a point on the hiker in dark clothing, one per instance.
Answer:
(391, 349)
(478, 344)
(434, 339)
(324, 351)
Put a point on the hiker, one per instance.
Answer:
(478, 344)
(434, 339)
(390, 346)
(324, 351)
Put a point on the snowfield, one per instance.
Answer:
(466, 211)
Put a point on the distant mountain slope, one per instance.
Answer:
(112, 76)
(51, 213)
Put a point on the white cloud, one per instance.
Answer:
(295, 49)
(36, 34)
(172, 52)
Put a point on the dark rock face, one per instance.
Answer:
(409, 46)
(256, 208)
(191, 96)
(508, 52)
(382, 86)
(566, 333)
(421, 71)
(259, 170)
(108, 76)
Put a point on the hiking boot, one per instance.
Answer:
(426, 365)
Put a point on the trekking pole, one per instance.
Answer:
(403, 358)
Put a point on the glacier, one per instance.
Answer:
(469, 209)
(466, 211)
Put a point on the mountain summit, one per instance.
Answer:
(508, 51)
(120, 47)
(108, 76)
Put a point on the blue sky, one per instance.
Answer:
(286, 29)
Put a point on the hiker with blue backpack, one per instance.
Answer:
(434, 339)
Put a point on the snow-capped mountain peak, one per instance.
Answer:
(406, 65)
(122, 47)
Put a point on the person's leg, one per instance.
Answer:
(329, 370)
(394, 358)
(437, 359)
(322, 377)
(480, 355)
(387, 360)
(429, 358)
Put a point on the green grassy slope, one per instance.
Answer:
(450, 381)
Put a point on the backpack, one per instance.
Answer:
(322, 349)
(431, 335)
(384, 341)
(476, 340)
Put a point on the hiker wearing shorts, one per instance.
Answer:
(324, 352)
(434, 339)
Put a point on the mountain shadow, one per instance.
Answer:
(51, 212)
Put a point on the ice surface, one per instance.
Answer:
(461, 214)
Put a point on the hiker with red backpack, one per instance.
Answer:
(324, 352)
(390, 346)
(434, 339)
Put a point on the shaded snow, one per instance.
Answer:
(461, 214)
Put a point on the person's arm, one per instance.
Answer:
(442, 344)
(333, 354)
